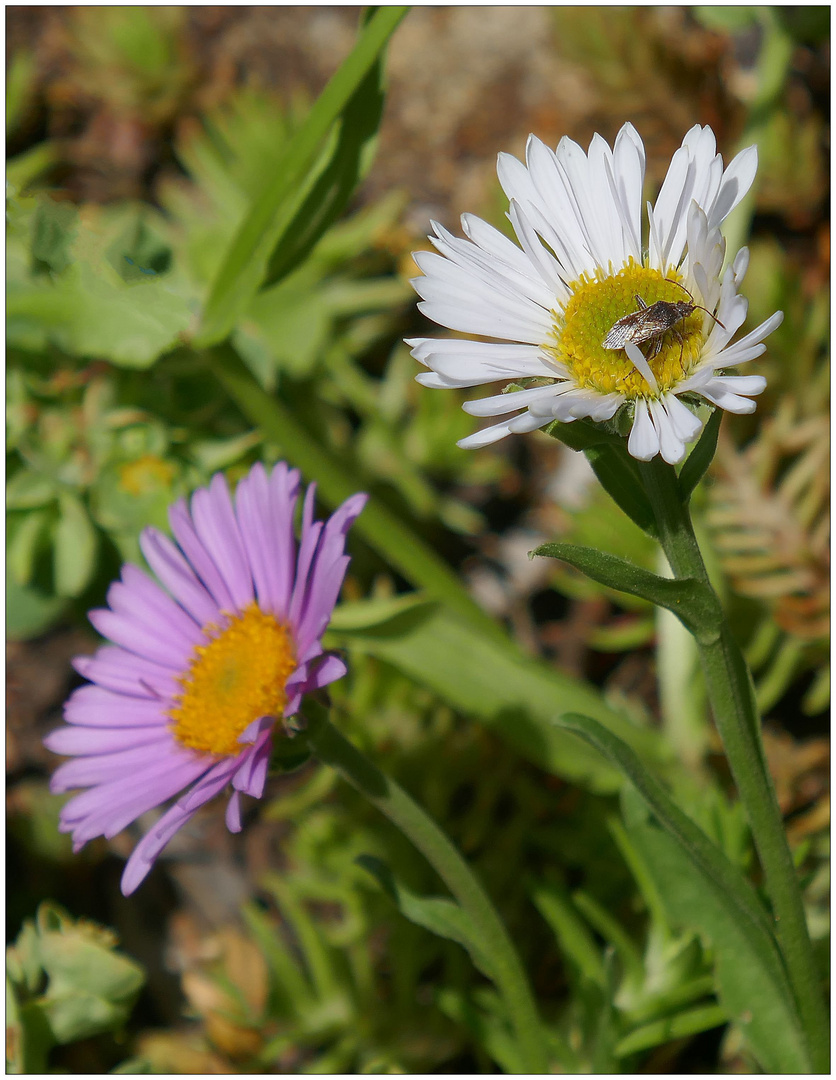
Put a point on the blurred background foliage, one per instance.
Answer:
(139, 139)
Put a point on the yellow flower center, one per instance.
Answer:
(592, 311)
(239, 676)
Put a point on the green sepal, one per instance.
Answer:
(693, 602)
(288, 754)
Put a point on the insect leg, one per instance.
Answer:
(655, 346)
(681, 342)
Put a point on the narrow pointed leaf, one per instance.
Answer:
(272, 214)
(442, 917)
(347, 164)
(704, 890)
(573, 936)
(692, 1022)
(693, 603)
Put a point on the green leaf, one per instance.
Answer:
(21, 77)
(490, 680)
(617, 474)
(26, 490)
(681, 1026)
(53, 231)
(703, 889)
(576, 943)
(28, 611)
(77, 1014)
(76, 543)
(274, 211)
(346, 166)
(693, 602)
(442, 917)
(488, 1029)
(90, 988)
(26, 167)
(89, 311)
(22, 542)
(697, 462)
(81, 956)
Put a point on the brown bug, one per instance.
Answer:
(652, 322)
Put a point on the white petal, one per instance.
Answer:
(671, 446)
(685, 424)
(654, 243)
(572, 403)
(758, 334)
(601, 203)
(445, 281)
(740, 265)
(724, 399)
(496, 272)
(514, 179)
(436, 382)
(589, 191)
(505, 403)
(750, 385)
(737, 179)
(643, 443)
(484, 320)
(494, 242)
(628, 174)
(491, 434)
(547, 266)
(525, 422)
(671, 207)
(637, 359)
(472, 363)
(732, 392)
(560, 217)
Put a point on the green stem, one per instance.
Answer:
(330, 747)
(735, 712)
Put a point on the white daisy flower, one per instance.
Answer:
(581, 267)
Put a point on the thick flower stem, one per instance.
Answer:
(735, 712)
(330, 747)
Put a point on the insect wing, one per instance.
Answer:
(629, 328)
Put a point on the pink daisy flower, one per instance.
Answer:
(186, 698)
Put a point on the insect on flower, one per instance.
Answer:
(539, 308)
(652, 322)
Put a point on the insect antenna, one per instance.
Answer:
(696, 306)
